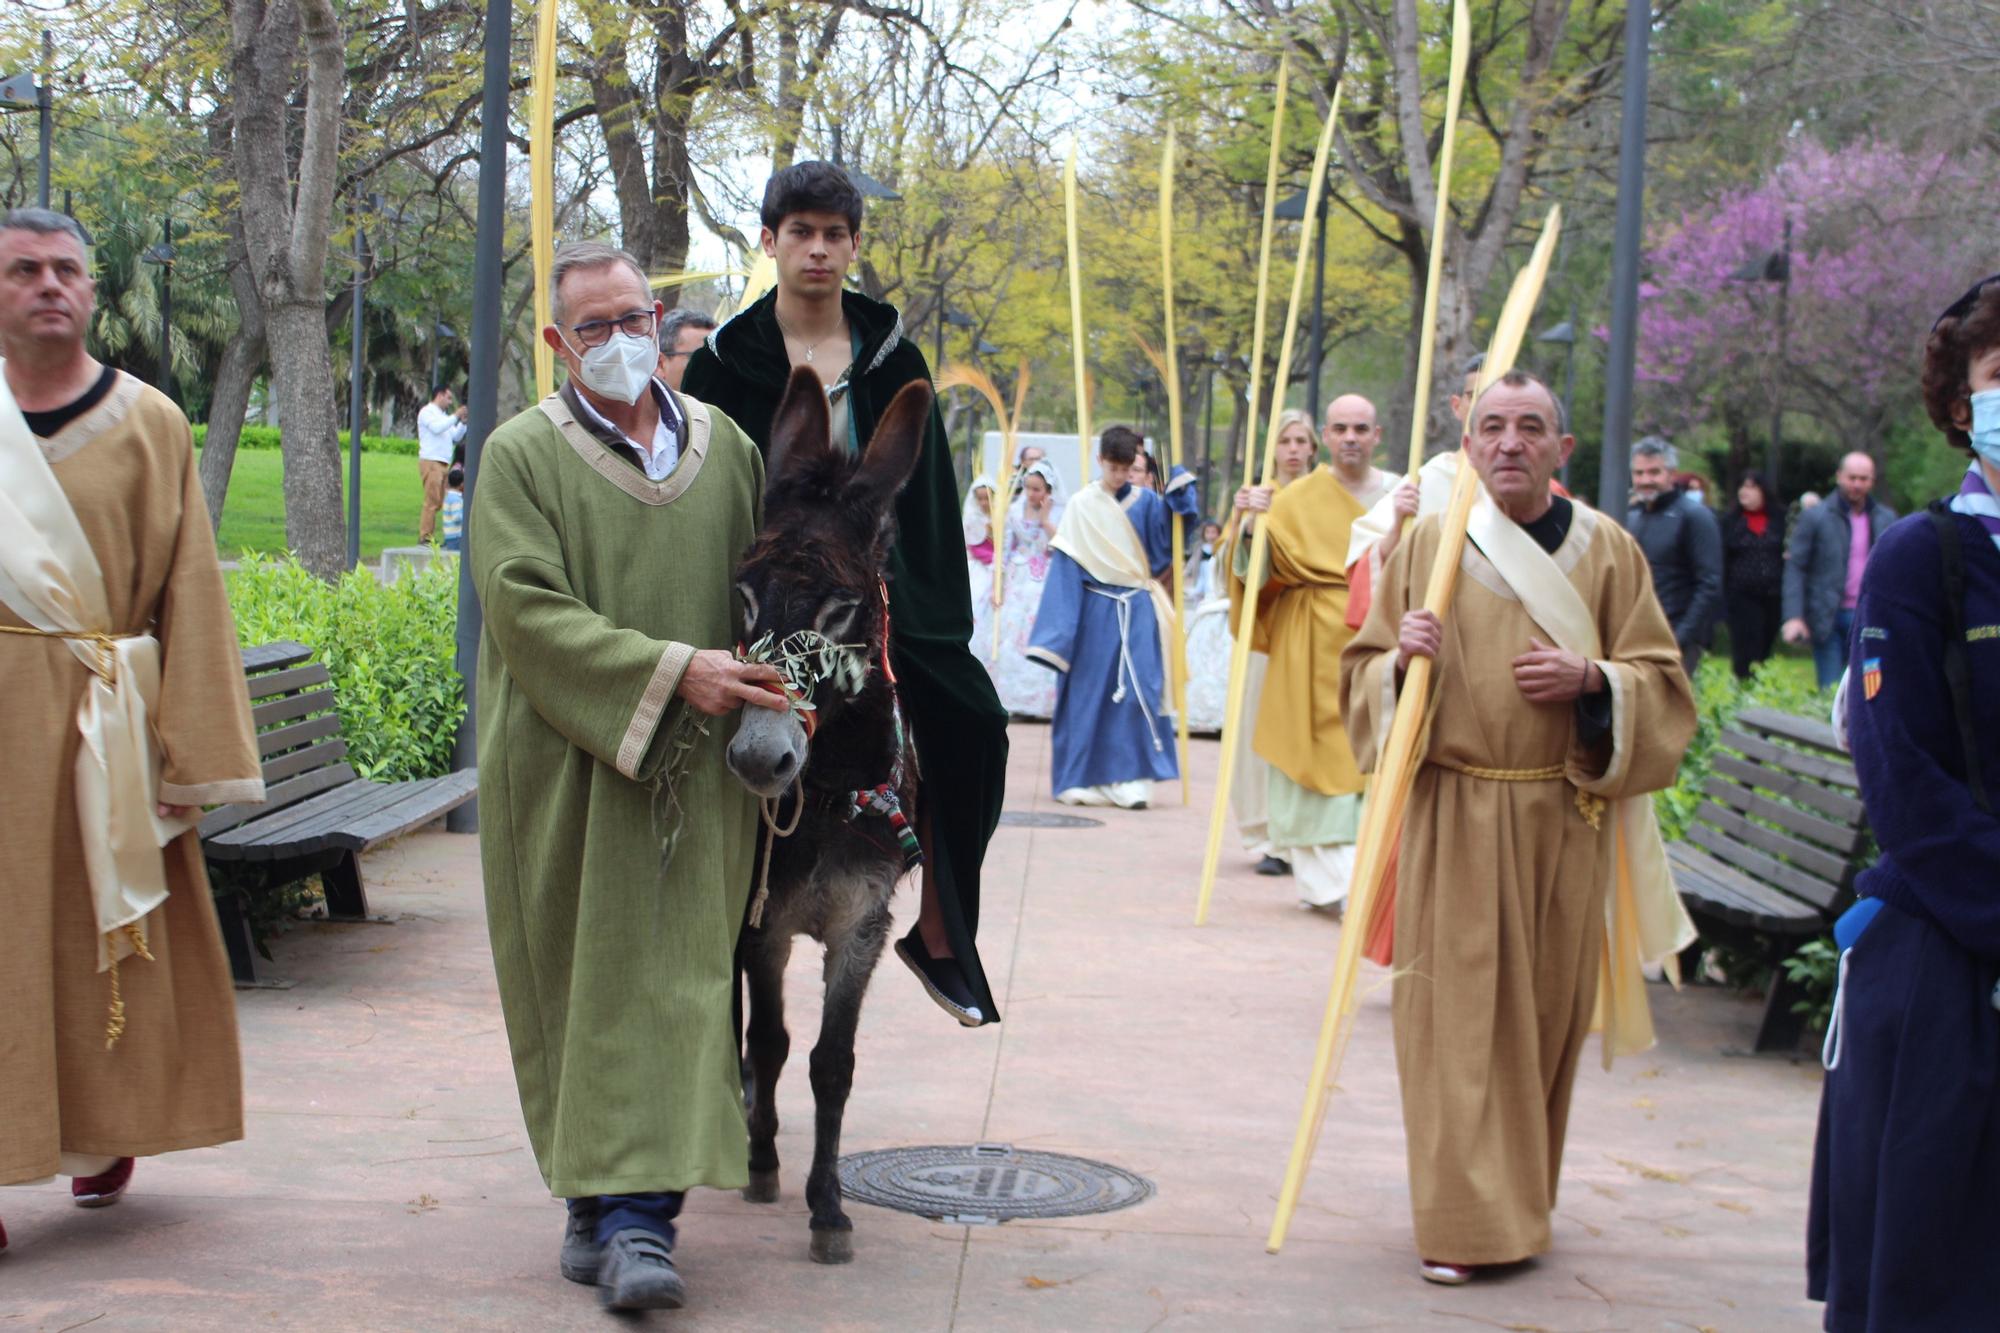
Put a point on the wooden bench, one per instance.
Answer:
(1772, 854)
(319, 815)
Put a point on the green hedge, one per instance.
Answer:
(389, 648)
(269, 437)
(1719, 697)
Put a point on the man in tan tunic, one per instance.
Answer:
(1558, 694)
(117, 1042)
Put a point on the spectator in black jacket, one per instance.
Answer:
(1753, 573)
(1682, 544)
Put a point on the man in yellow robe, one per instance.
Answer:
(1558, 696)
(123, 713)
(1314, 787)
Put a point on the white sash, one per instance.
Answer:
(50, 578)
(1096, 533)
(1644, 919)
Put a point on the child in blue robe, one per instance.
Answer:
(1102, 625)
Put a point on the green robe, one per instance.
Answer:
(955, 716)
(615, 971)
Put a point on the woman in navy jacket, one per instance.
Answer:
(1905, 1221)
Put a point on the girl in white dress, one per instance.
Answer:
(1027, 690)
(977, 517)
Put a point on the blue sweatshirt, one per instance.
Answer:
(1940, 852)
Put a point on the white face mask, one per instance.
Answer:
(621, 366)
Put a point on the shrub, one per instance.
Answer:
(270, 437)
(1718, 698)
(389, 649)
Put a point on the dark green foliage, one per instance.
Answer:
(1815, 968)
(390, 651)
(1778, 683)
(270, 437)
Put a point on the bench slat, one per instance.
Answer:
(1705, 899)
(298, 733)
(1842, 838)
(1802, 730)
(1807, 765)
(1808, 858)
(277, 797)
(271, 656)
(284, 682)
(291, 706)
(304, 761)
(1769, 869)
(1715, 885)
(296, 831)
(423, 803)
(1839, 805)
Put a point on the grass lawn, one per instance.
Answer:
(253, 517)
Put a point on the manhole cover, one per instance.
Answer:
(1046, 819)
(987, 1183)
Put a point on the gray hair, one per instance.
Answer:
(583, 255)
(1654, 447)
(680, 317)
(45, 222)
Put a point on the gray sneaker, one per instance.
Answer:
(638, 1273)
(581, 1254)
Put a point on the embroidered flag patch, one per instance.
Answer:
(1871, 677)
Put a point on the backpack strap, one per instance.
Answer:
(1957, 669)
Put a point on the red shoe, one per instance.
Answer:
(3, 1238)
(101, 1191)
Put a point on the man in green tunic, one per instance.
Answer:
(811, 227)
(605, 525)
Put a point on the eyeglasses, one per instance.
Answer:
(597, 332)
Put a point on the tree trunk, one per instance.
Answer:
(234, 379)
(302, 376)
(286, 210)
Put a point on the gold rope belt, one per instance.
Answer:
(107, 650)
(1591, 807)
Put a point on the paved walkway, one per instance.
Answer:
(386, 1181)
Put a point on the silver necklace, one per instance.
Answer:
(812, 348)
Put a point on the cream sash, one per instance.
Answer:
(50, 578)
(1434, 481)
(1096, 533)
(1644, 919)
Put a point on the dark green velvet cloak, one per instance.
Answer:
(955, 716)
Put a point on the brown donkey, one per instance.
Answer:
(835, 772)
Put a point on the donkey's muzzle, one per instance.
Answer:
(768, 751)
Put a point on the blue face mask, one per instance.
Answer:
(1986, 425)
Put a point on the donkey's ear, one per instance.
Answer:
(799, 428)
(896, 445)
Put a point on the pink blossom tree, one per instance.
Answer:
(1882, 239)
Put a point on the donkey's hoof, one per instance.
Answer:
(763, 1187)
(833, 1247)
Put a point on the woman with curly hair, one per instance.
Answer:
(1906, 1171)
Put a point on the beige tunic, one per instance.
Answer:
(173, 1080)
(1500, 913)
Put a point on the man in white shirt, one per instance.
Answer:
(439, 429)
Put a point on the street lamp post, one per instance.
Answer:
(1565, 333)
(1294, 208)
(356, 352)
(21, 92)
(1621, 354)
(1775, 267)
(482, 390)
